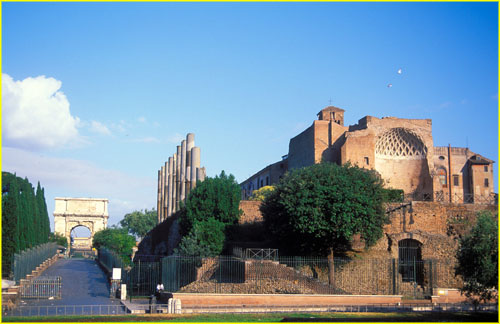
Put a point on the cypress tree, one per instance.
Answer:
(10, 239)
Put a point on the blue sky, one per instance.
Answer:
(111, 88)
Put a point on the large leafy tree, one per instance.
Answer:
(478, 259)
(318, 209)
(139, 223)
(216, 198)
(117, 240)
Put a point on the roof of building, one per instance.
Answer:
(478, 159)
(331, 108)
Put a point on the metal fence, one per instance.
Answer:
(27, 261)
(109, 259)
(455, 198)
(65, 310)
(142, 278)
(42, 287)
(305, 275)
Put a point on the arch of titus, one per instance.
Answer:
(72, 212)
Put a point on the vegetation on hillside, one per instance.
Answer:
(209, 208)
(478, 259)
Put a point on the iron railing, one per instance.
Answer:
(142, 278)
(75, 310)
(109, 259)
(64, 310)
(42, 287)
(28, 260)
(455, 198)
(305, 275)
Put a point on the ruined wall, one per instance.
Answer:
(251, 212)
(301, 149)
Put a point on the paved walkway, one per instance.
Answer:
(83, 283)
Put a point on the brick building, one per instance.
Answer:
(401, 150)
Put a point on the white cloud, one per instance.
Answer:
(141, 119)
(176, 138)
(99, 128)
(36, 114)
(64, 177)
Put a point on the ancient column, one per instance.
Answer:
(170, 186)
(174, 184)
(189, 147)
(183, 170)
(200, 174)
(158, 202)
(165, 192)
(178, 177)
(195, 164)
(162, 184)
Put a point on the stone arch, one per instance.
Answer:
(73, 212)
(81, 242)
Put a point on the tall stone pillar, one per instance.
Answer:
(158, 199)
(162, 211)
(165, 192)
(178, 177)
(195, 164)
(174, 184)
(189, 147)
(170, 189)
(200, 174)
(188, 180)
(183, 170)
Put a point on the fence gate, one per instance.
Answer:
(42, 287)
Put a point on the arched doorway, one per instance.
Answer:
(81, 237)
(410, 261)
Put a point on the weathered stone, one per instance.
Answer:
(72, 212)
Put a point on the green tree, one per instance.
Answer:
(205, 239)
(217, 197)
(117, 240)
(478, 259)
(318, 209)
(10, 235)
(262, 193)
(25, 221)
(59, 239)
(139, 223)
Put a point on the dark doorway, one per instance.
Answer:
(410, 261)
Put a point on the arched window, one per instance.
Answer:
(442, 176)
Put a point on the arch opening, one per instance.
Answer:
(410, 261)
(81, 237)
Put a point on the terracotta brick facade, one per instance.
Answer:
(401, 150)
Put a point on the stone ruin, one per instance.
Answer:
(178, 177)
